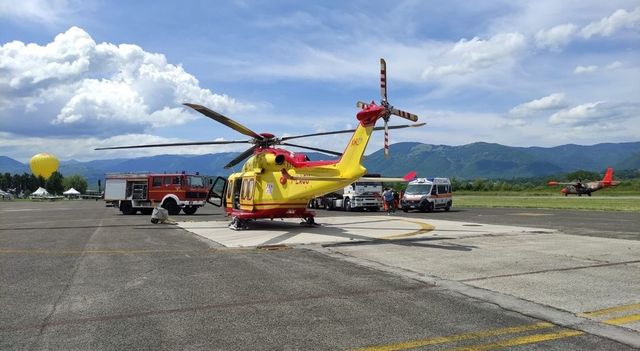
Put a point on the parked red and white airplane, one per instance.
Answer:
(579, 188)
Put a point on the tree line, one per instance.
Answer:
(56, 184)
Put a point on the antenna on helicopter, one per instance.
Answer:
(389, 110)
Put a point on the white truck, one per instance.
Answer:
(360, 195)
(427, 194)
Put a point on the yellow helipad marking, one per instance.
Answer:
(455, 338)
(424, 228)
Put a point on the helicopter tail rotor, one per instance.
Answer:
(388, 109)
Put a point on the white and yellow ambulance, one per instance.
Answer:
(427, 194)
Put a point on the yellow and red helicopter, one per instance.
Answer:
(277, 183)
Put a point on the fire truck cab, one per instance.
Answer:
(133, 192)
(427, 194)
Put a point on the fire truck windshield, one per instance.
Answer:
(196, 182)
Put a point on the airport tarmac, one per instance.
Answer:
(77, 275)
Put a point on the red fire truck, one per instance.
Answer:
(133, 192)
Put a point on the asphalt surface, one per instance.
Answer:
(79, 276)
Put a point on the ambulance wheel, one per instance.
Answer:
(126, 208)
(171, 206)
(428, 207)
(189, 210)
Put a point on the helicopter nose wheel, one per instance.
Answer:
(238, 224)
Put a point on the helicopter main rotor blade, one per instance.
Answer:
(349, 131)
(225, 120)
(314, 149)
(176, 144)
(241, 157)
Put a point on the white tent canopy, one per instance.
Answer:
(71, 191)
(40, 192)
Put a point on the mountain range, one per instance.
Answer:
(471, 161)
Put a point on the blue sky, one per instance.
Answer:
(75, 75)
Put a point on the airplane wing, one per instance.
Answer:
(553, 182)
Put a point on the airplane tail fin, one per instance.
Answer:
(608, 176)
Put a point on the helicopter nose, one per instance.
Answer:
(564, 190)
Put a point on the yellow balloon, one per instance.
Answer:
(44, 165)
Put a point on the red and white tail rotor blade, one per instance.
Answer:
(404, 114)
(386, 138)
(383, 81)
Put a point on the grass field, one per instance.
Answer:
(598, 203)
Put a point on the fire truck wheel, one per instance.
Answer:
(171, 206)
(126, 208)
(189, 210)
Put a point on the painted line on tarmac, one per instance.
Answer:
(521, 340)
(551, 270)
(459, 337)
(623, 320)
(605, 311)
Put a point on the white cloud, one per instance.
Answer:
(601, 114)
(73, 85)
(556, 37)
(42, 11)
(614, 65)
(470, 56)
(609, 25)
(550, 102)
(585, 69)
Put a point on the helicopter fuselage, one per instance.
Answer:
(261, 189)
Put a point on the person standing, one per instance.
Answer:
(387, 196)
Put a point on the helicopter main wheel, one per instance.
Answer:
(309, 221)
(238, 224)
